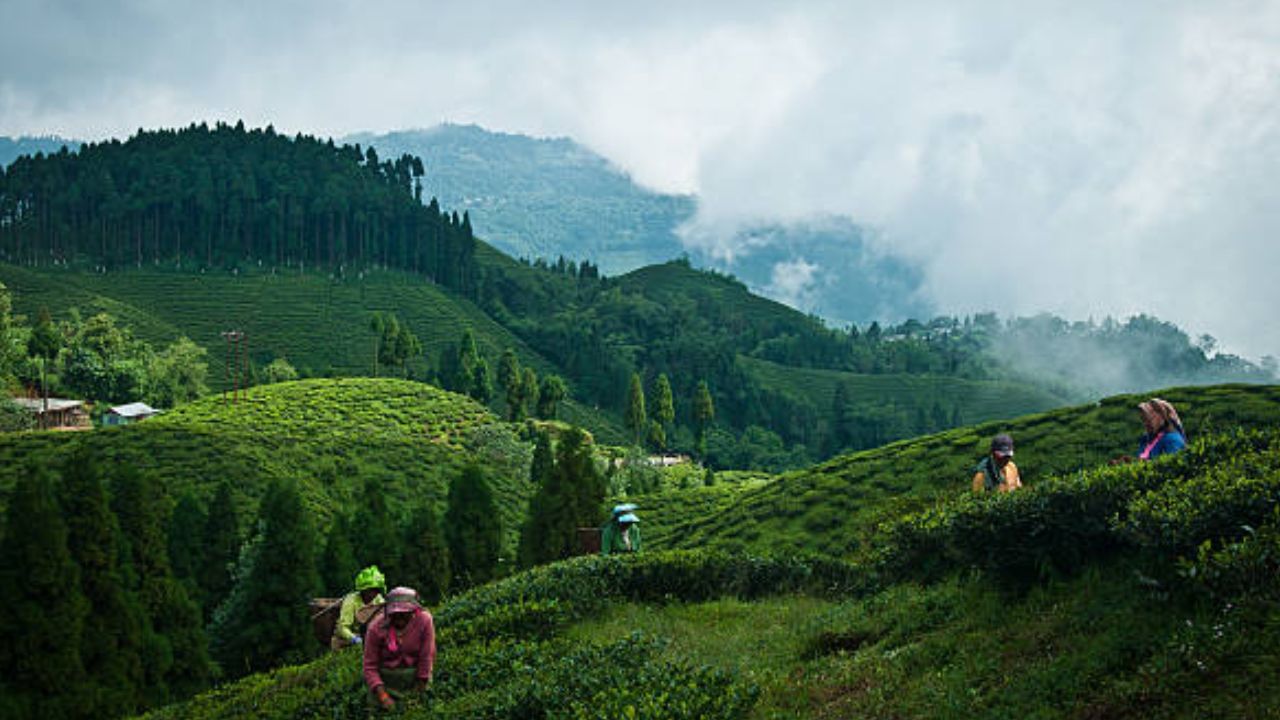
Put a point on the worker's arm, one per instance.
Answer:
(635, 538)
(979, 482)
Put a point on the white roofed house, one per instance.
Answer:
(127, 414)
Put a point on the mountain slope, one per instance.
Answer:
(535, 197)
(320, 324)
(328, 434)
(836, 506)
(964, 614)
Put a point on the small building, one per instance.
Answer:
(59, 414)
(128, 414)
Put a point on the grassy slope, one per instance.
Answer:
(318, 324)
(981, 400)
(330, 434)
(832, 506)
(1118, 634)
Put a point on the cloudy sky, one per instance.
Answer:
(1083, 158)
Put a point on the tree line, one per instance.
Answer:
(217, 197)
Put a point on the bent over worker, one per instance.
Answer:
(996, 472)
(399, 648)
(622, 533)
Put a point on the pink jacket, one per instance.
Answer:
(414, 647)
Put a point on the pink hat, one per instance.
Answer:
(401, 600)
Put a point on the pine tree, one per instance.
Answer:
(510, 378)
(544, 461)
(635, 418)
(42, 608)
(664, 408)
(482, 385)
(111, 643)
(704, 413)
(551, 393)
(338, 565)
(186, 548)
(176, 659)
(375, 536)
(426, 566)
(264, 621)
(568, 498)
(472, 528)
(529, 390)
(220, 536)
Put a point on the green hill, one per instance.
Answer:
(329, 434)
(1146, 590)
(319, 324)
(834, 507)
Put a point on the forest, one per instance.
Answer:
(227, 197)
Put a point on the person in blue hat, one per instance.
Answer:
(622, 533)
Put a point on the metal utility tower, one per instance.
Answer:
(236, 372)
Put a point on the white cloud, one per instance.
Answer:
(1083, 158)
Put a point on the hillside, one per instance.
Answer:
(543, 197)
(1148, 591)
(549, 197)
(835, 507)
(330, 435)
(320, 324)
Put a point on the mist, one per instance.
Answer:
(1085, 159)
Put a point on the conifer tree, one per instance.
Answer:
(510, 378)
(704, 413)
(186, 548)
(568, 498)
(664, 408)
(375, 536)
(426, 566)
(264, 622)
(176, 660)
(338, 565)
(472, 528)
(635, 418)
(220, 536)
(550, 394)
(529, 390)
(481, 385)
(111, 644)
(40, 602)
(544, 461)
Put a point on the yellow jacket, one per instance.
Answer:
(1012, 481)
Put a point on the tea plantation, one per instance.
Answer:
(834, 506)
(329, 434)
(1135, 590)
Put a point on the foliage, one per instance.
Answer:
(837, 506)
(278, 370)
(473, 528)
(40, 599)
(264, 620)
(568, 497)
(111, 641)
(175, 658)
(237, 197)
(425, 565)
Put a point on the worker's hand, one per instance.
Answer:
(356, 640)
(384, 698)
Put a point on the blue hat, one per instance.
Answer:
(623, 509)
(629, 518)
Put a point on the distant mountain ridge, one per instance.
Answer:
(550, 197)
(11, 148)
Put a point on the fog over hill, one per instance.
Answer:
(546, 197)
